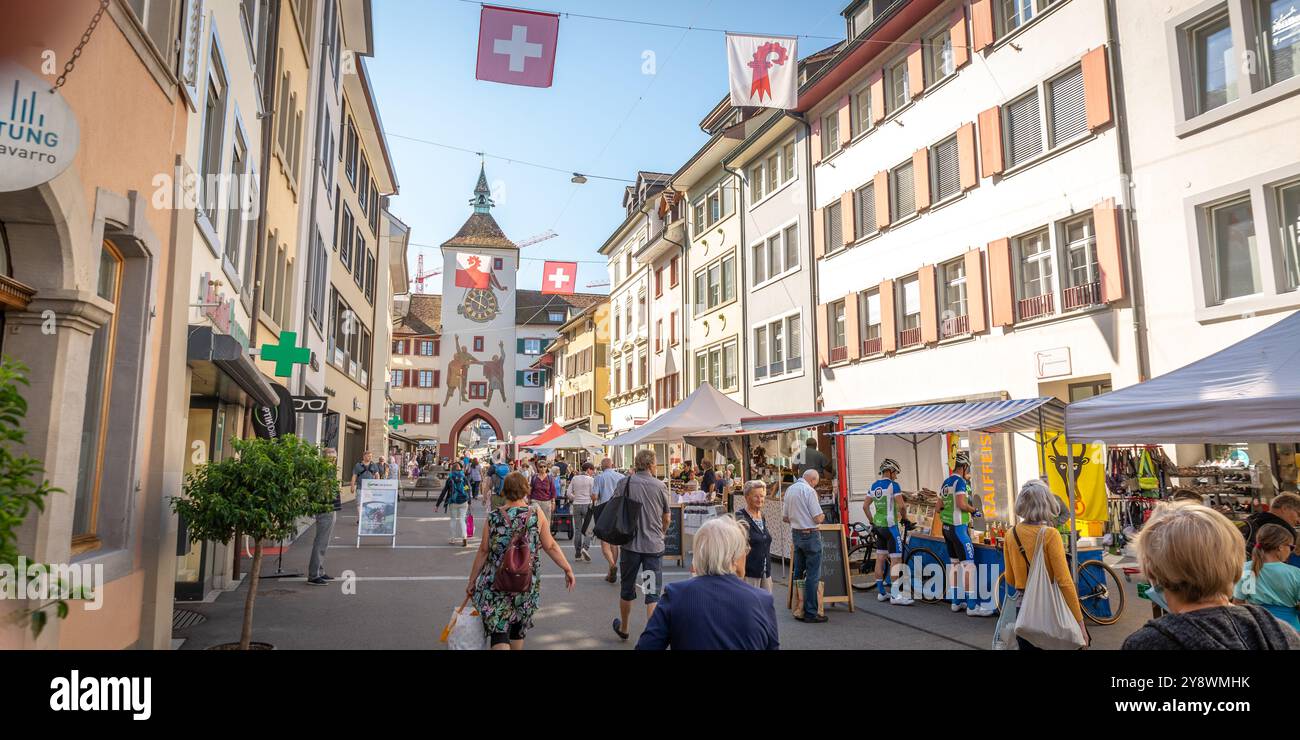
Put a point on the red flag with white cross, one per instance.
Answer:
(517, 47)
(559, 278)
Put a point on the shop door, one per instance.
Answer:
(192, 558)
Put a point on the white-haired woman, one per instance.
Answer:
(758, 565)
(1037, 508)
(716, 609)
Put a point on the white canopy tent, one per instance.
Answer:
(1249, 392)
(705, 408)
(578, 439)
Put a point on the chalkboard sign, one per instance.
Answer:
(673, 535)
(834, 571)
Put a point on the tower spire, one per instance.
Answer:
(482, 200)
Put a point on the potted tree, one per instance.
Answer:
(261, 491)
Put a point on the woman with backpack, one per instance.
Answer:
(456, 493)
(505, 583)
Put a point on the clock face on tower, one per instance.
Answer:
(480, 305)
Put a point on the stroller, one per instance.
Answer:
(562, 517)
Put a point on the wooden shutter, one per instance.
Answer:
(1110, 260)
(881, 188)
(975, 291)
(519, 346)
(1096, 88)
(921, 178)
(878, 97)
(981, 21)
(851, 337)
(815, 131)
(846, 218)
(966, 156)
(846, 121)
(991, 142)
(437, 378)
(408, 413)
(915, 69)
(957, 30)
(819, 233)
(519, 410)
(435, 413)
(823, 335)
(888, 330)
(929, 305)
(1001, 285)
(406, 378)
(519, 378)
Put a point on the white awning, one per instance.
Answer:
(1015, 415)
(705, 408)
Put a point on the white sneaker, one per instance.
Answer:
(957, 607)
(901, 600)
(882, 597)
(983, 610)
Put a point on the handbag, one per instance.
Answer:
(515, 574)
(1043, 618)
(618, 517)
(465, 631)
(469, 525)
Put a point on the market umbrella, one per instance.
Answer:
(544, 437)
(705, 408)
(578, 439)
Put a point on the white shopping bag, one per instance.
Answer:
(1044, 619)
(465, 630)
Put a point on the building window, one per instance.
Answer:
(320, 276)
(1023, 130)
(235, 199)
(659, 335)
(830, 133)
(897, 87)
(1082, 277)
(838, 337)
(718, 366)
(659, 282)
(945, 174)
(869, 323)
(371, 274)
(1080, 391)
(426, 347)
(1288, 207)
(776, 255)
(672, 329)
(864, 204)
(350, 162)
(902, 192)
(532, 410)
(834, 227)
(672, 273)
(1234, 259)
(348, 228)
(1279, 24)
(1013, 14)
(777, 348)
(717, 203)
(909, 328)
(532, 346)
(1037, 275)
(860, 112)
(1214, 63)
(397, 378)
(955, 321)
(426, 378)
(938, 56)
(424, 413)
(478, 390)
(1066, 108)
(214, 130)
(478, 344)
(787, 161)
(714, 285)
(555, 317)
(771, 173)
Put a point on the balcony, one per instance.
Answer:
(1036, 307)
(872, 346)
(840, 354)
(14, 294)
(955, 326)
(1081, 296)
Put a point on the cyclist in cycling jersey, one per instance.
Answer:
(955, 513)
(884, 508)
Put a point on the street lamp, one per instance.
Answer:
(578, 178)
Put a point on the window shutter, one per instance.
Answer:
(823, 335)
(846, 125)
(519, 346)
(981, 21)
(1024, 130)
(947, 175)
(1110, 260)
(408, 412)
(435, 413)
(834, 225)
(1001, 285)
(846, 217)
(1069, 115)
(915, 69)
(966, 156)
(921, 178)
(929, 305)
(957, 30)
(816, 134)
(819, 233)
(851, 337)
(991, 142)
(865, 220)
(408, 378)
(878, 97)
(519, 411)
(437, 378)
(888, 321)
(881, 186)
(191, 45)
(1096, 88)
(975, 291)
(519, 378)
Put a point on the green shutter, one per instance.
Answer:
(519, 346)
(519, 411)
(519, 378)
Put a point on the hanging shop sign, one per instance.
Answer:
(273, 422)
(38, 131)
(310, 404)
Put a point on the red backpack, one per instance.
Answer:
(515, 574)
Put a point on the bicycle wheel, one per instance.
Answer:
(928, 574)
(999, 589)
(1101, 592)
(862, 567)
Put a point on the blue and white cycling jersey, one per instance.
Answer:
(883, 511)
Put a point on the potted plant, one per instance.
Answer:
(261, 491)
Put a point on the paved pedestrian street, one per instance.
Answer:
(404, 597)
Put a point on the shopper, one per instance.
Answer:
(1283, 510)
(557, 482)
(708, 478)
(758, 564)
(1037, 508)
(499, 473)
(456, 493)
(604, 486)
(1268, 581)
(581, 488)
(316, 574)
(508, 616)
(955, 510)
(645, 550)
(884, 508)
(803, 512)
(367, 469)
(542, 492)
(475, 477)
(813, 459)
(715, 609)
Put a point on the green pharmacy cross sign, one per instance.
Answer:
(395, 422)
(286, 354)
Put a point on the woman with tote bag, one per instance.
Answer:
(1048, 614)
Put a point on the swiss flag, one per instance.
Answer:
(517, 47)
(559, 277)
(473, 271)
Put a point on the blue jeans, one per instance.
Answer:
(808, 566)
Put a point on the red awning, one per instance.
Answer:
(546, 435)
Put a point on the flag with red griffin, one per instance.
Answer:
(763, 71)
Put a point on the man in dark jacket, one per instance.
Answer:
(1284, 510)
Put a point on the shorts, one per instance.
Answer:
(957, 537)
(888, 541)
(629, 564)
(516, 632)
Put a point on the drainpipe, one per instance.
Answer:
(743, 360)
(1126, 167)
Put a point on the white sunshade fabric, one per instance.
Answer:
(578, 439)
(1249, 392)
(1015, 415)
(705, 408)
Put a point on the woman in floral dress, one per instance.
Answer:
(507, 617)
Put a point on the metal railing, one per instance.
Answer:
(1036, 307)
(1081, 296)
(840, 354)
(909, 337)
(955, 326)
(873, 346)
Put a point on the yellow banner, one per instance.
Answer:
(1089, 476)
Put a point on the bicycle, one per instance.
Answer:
(1101, 593)
(919, 559)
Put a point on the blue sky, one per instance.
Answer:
(602, 116)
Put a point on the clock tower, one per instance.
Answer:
(479, 269)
